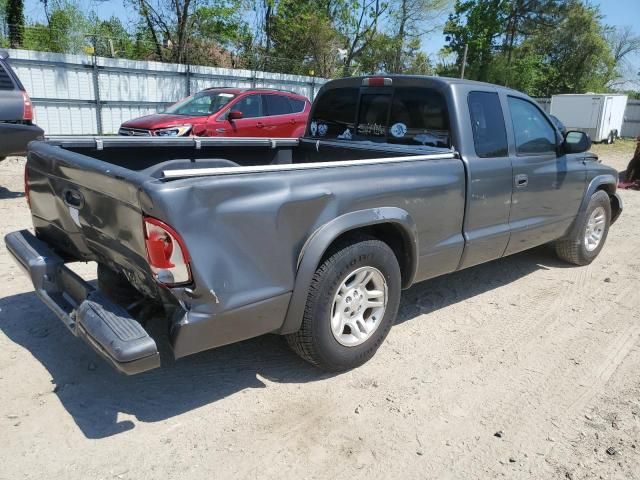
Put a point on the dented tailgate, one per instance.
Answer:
(87, 209)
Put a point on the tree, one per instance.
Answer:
(357, 22)
(302, 39)
(624, 43)
(575, 53)
(110, 38)
(66, 32)
(15, 19)
(539, 46)
(478, 24)
(411, 20)
(177, 28)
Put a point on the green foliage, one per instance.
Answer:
(575, 53)
(67, 32)
(15, 19)
(541, 47)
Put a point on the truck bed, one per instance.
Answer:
(159, 157)
(245, 226)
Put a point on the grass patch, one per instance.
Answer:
(621, 147)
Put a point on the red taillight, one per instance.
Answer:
(377, 82)
(27, 114)
(26, 185)
(167, 254)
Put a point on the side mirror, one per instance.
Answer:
(234, 115)
(576, 142)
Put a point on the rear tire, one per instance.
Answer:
(585, 245)
(352, 304)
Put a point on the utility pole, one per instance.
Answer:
(464, 59)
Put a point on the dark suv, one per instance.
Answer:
(16, 113)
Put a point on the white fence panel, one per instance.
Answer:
(85, 95)
(61, 119)
(631, 125)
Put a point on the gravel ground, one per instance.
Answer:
(521, 368)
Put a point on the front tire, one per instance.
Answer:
(351, 306)
(585, 245)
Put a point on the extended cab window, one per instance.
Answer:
(534, 134)
(487, 122)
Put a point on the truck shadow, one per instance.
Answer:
(5, 193)
(99, 399)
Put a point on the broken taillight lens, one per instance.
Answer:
(168, 257)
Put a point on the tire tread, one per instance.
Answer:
(302, 341)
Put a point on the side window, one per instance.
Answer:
(297, 106)
(277, 105)
(5, 79)
(534, 135)
(487, 122)
(250, 106)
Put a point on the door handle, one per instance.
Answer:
(292, 121)
(521, 180)
(73, 198)
(260, 125)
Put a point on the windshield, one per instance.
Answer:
(201, 104)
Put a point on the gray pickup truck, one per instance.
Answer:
(397, 180)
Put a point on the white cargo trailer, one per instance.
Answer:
(599, 115)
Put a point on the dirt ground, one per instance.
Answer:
(544, 353)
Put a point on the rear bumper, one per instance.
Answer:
(15, 137)
(105, 326)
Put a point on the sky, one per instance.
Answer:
(616, 12)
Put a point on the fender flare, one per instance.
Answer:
(320, 240)
(609, 182)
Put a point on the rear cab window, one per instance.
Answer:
(335, 113)
(401, 115)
